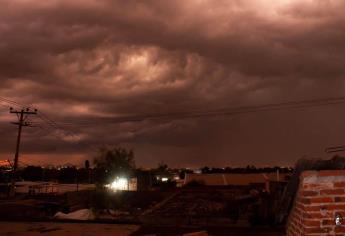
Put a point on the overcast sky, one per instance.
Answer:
(83, 62)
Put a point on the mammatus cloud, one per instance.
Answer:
(84, 62)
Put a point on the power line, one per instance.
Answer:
(11, 102)
(335, 149)
(225, 111)
(40, 115)
(47, 130)
(215, 112)
(188, 114)
(53, 124)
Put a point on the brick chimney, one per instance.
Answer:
(320, 199)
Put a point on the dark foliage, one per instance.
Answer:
(32, 173)
(248, 169)
(113, 162)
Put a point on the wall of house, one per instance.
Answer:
(320, 197)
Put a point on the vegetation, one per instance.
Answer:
(195, 183)
(248, 169)
(111, 162)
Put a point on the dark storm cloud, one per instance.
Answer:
(85, 62)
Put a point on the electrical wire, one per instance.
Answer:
(209, 113)
(226, 111)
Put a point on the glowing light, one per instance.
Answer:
(119, 184)
(164, 179)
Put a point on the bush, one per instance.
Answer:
(195, 183)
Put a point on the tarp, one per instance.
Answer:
(200, 233)
(83, 214)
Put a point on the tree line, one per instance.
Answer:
(120, 162)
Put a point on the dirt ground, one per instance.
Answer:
(221, 231)
(64, 229)
(93, 229)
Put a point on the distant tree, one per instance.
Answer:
(87, 168)
(112, 162)
(183, 172)
(250, 169)
(68, 175)
(205, 170)
(32, 173)
(2, 176)
(162, 169)
(51, 174)
(87, 164)
(162, 166)
(195, 183)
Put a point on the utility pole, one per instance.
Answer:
(22, 116)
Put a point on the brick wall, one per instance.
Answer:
(321, 195)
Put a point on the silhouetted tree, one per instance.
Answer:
(68, 175)
(51, 174)
(162, 169)
(205, 170)
(32, 173)
(87, 168)
(183, 173)
(87, 164)
(113, 162)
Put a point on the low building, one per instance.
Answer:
(234, 179)
(123, 184)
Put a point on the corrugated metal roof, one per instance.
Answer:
(233, 179)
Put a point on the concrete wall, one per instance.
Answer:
(320, 197)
